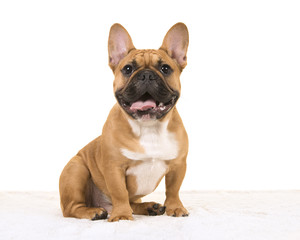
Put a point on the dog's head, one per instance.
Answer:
(147, 84)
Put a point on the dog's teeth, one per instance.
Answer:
(161, 106)
(125, 104)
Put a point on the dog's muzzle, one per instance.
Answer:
(147, 96)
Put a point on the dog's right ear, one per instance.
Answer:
(119, 44)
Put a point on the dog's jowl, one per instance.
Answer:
(143, 138)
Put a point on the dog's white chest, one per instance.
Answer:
(147, 175)
(157, 141)
(159, 146)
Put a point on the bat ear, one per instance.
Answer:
(176, 43)
(119, 44)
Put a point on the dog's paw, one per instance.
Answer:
(120, 217)
(97, 213)
(155, 209)
(177, 212)
(119, 214)
(100, 215)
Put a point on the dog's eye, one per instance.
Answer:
(127, 70)
(166, 69)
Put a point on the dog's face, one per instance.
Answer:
(147, 84)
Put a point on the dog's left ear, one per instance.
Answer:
(119, 44)
(176, 43)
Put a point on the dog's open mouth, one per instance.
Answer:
(146, 107)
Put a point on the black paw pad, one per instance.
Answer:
(151, 212)
(156, 206)
(162, 210)
(101, 216)
(156, 209)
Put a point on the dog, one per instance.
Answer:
(143, 138)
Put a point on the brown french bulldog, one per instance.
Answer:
(143, 138)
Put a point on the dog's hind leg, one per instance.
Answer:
(73, 184)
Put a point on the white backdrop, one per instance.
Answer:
(240, 91)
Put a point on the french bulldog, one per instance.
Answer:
(143, 138)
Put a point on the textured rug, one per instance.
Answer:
(213, 215)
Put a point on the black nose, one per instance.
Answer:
(147, 75)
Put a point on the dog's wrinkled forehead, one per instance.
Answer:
(146, 58)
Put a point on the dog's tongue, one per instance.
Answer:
(143, 105)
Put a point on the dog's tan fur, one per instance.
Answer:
(99, 169)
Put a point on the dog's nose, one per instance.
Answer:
(147, 75)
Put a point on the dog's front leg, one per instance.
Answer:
(116, 184)
(174, 178)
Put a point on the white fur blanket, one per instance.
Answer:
(213, 215)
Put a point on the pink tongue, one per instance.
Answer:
(143, 106)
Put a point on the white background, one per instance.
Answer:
(240, 91)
